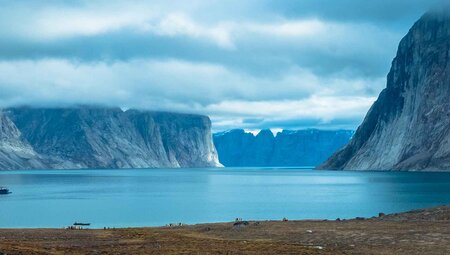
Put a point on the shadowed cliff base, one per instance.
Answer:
(425, 231)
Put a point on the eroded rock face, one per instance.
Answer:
(15, 152)
(186, 138)
(408, 127)
(96, 137)
(288, 148)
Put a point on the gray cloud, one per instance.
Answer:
(257, 52)
(383, 12)
(252, 64)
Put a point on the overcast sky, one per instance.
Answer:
(251, 64)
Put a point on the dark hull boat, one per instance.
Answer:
(4, 191)
(81, 224)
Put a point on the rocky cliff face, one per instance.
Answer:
(95, 137)
(15, 152)
(408, 127)
(288, 148)
(186, 138)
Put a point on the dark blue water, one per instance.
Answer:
(122, 198)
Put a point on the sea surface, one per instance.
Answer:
(156, 197)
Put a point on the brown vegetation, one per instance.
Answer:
(417, 232)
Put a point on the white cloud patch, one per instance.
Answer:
(177, 24)
(185, 87)
(296, 28)
(321, 111)
(49, 24)
(52, 25)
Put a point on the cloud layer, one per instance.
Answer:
(253, 64)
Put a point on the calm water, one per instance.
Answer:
(119, 198)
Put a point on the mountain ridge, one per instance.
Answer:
(287, 148)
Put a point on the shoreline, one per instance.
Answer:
(422, 231)
(210, 223)
(312, 168)
(227, 222)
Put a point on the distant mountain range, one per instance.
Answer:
(288, 148)
(408, 127)
(98, 137)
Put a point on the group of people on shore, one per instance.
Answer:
(175, 224)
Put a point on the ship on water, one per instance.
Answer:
(4, 191)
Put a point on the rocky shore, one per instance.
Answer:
(425, 231)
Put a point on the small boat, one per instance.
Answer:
(81, 224)
(4, 191)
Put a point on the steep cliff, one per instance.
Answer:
(96, 137)
(185, 138)
(288, 148)
(408, 127)
(15, 152)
